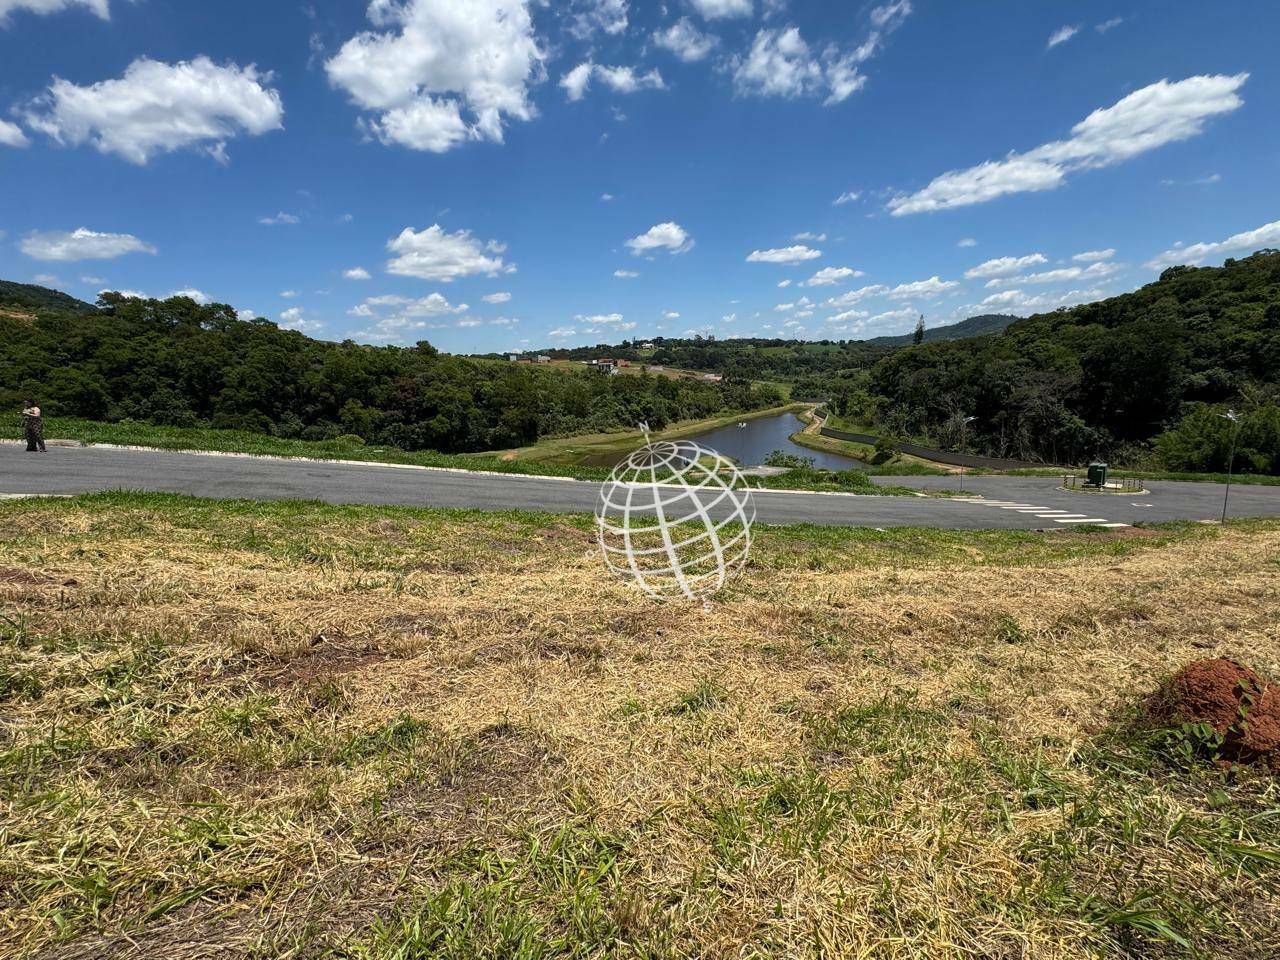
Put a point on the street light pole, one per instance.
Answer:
(964, 433)
(1235, 436)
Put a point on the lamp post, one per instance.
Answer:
(1235, 436)
(964, 432)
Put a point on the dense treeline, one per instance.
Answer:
(1105, 378)
(180, 363)
(807, 364)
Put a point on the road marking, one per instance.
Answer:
(1043, 513)
(1080, 520)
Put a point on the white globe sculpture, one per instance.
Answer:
(675, 520)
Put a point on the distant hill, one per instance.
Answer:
(981, 326)
(29, 296)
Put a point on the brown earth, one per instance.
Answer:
(1242, 707)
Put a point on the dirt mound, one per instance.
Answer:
(1240, 706)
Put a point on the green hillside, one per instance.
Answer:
(28, 296)
(1143, 371)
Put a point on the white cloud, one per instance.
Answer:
(1109, 24)
(1062, 35)
(848, 196)
(720, 9)
(606, 197)
(356, 273)
(781, 64)
(891, 316)
(784, 283)
(82, 244)
(433, 254)
(99, 7)
(48, 279)
(922, 288)
(199, 296)
(432, 60)
(966, 242)
(11, 134)
(1091, 256)
(848, 315)
(669, 236)
(399, 318)
(686, 41)
(1017, 301)
(609, 16)
(1093, 271)
(830, 276)
(812, 237)
(246, 315)
(294, 319)
(561, 332)
(470, 322)
(1158, 114)
(853, 296)
(625, 274)
(92, 280)
(1267, 235)
(795, 254)
(502, 297)
(280, 219)
(159, 107)
(1004, 266)
(620, 79)
(670, 315)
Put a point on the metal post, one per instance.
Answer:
(964, 433)
(1235, 437)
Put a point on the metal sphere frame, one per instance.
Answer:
(675, 519)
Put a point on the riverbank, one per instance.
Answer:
(901, 465)
(603, 449)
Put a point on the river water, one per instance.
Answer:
(751, 443)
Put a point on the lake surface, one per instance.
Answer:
(750, 444)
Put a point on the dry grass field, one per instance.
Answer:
(292, 730)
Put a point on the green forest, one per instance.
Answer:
(175, 362)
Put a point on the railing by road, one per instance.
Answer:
(938, 456)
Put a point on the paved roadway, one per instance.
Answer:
(1006, 502)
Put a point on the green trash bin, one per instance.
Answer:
(1097, 475)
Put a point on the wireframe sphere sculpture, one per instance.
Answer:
(675, 519)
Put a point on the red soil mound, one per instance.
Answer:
(1237, 703)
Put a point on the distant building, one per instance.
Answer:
(647, 345)
(607, 367)
(513, 357)
(713, 377)
(542, 358)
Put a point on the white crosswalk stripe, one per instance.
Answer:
(1042, 513)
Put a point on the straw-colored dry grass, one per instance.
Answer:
(259, 730)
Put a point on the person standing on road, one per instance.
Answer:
(33, 427)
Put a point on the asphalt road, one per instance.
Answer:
(1006, 502)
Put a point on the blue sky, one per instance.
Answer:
(501, 174)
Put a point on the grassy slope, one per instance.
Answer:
(265, 729)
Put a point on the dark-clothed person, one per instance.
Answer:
(33, 427)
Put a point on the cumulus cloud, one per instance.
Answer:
(966, 242)
(794, 254)
(577, 81)
(160, 107)
(81, 244)
(561, 333)
(721, 9)
(280, 219)
(199, 296)
(810, 236)
(593, 16)
(1017, 301)
(1267, 235)
(852, 297)
(1094, 271)
(1111, 24)
(1158, 114)
(669, 236)
(433, 254)
(295, 319)
(686, 41)
(1004, 266)
(625, 274)
(1091, 256)
(1061, 35)
(781, 64)
(100, 7)
(849, 196)
(11, 135)
(830, 276)
(356, 273)
(932, 287)
(431, 60)
(502, 297)
(398, 318)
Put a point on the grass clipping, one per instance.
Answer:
(252, 730)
